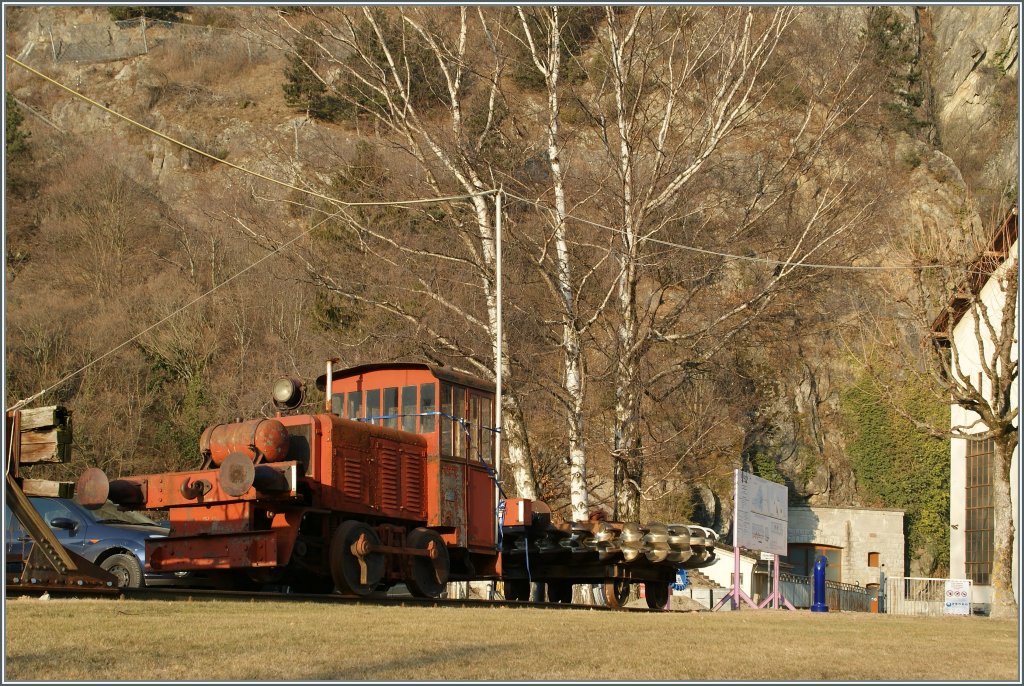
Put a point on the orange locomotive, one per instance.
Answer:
(393, 483)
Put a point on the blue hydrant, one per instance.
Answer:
(819, 585)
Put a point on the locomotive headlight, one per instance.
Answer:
(287, 393)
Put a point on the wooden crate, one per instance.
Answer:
(46, 435)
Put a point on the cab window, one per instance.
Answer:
(428, 405)
(474, 426)
(459, 412)
(391, 407)
(373, 404)
(487, 430)
(446, 422)
(409, 408)
(355, 404)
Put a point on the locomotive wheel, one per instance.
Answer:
(616, 593)
(355, 570)
(657, 594)
(559, 592)
(427, 576)
(517, 589)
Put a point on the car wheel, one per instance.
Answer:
(125, 568)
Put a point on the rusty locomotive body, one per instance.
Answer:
(392, 483)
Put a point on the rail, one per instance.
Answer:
(928, 597)
(839, 597)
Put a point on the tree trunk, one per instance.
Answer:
(1004, 605)
(628, 451)
(513, 431)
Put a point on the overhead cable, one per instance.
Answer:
(190, 303)
(285, 184)
(748, 258)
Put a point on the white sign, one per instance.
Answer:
(769, 557)
(762, 513)
(958, 597)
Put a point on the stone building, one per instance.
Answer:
(858, 542)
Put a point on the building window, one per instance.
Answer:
(978, 531)
(872, 559)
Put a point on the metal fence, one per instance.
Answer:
(923, 596)
(838, 596)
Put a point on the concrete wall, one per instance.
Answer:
(965, 342)
(858, 531)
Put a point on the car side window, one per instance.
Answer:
(51, 509)
(12, 527)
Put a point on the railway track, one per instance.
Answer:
(193, 594)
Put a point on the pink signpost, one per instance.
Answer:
(760, 522)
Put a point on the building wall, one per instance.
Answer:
(857, 531)
(722, 569)
(965, 342)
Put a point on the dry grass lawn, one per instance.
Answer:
(93, 640)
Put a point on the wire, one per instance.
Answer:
(705, 251)
(22, 403)
(285, 184)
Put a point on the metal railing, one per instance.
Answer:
(838, 596)
(923, 596)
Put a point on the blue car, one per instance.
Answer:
(114, 539)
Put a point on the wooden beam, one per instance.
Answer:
(44, 417)
(44, 487)
(55, 453)
(55, 435)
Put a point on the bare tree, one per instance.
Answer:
(541, 33)
(408, 72)
(962, 308)
(682, 95)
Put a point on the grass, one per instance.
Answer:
(94, 640)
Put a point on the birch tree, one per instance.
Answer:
(541, 35)
(411, 77)
(681, 88)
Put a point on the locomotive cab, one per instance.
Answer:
(454, 413)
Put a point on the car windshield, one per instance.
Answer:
(110, 514)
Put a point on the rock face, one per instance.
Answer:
(970, 58)
(972, 63)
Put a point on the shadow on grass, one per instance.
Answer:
(453, 664)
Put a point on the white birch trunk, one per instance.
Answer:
(549, 64)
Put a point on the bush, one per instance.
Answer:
(894, 54)
(304, 90)
(348, 96)
(15, 138)
(897, 465)
(160, 12)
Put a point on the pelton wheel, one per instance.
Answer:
(656, 593)
(355, 570)
(616, 593)
(559, 592)
(517, 589)
(427, 576)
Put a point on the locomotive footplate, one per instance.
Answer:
(235, 550)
